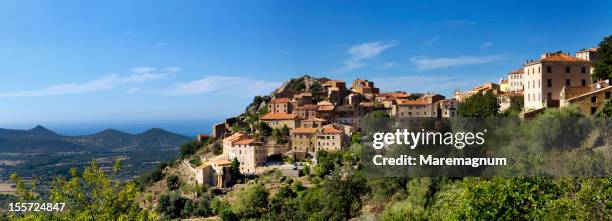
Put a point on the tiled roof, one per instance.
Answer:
(304, 130)
(246, 141)
(326, 108)
(517, 71)
(280, 100)
(561, 57)
(314, 119)
(330, 130)
(234, 137)
(412, 102)
(278, 116)
(307, 107)
(222, 162)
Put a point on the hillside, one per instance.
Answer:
(40, 152)
(41, 139)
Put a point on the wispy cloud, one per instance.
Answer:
(459, 22)
(240, 86)
(107, 82)
(486, 45)
(425, 64)
(431, 41)
(363, 52)
(387, 65)
(161, 44)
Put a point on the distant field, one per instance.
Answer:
(6, 188)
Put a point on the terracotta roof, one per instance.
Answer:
(280, 100)
(413, 102)
(246, 141)
(304, 130)
(314, 119)
(308, 94)
(331, 130)
(561, 57)
(278, 116)
(307, 107)
(222, 162)
(326, 108)
(517, 71)
(234, 137)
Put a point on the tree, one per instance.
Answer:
(479, 105)
(91, 195)
(190, 148)
(355, 138)
(603, 66)
(173, 182)
(235, 170)
(252, 201)
(605, 110)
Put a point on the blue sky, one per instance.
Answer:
(122, 63)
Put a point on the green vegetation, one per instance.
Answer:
(150, 177)
(89, 195)
(603, 66)
(415, 96)
(207, 146)
(282, 135)
(605, 110)
(479, 105)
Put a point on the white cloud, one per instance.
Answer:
(486, 45)
(142, 70)
(459, 22)
(424, 64)
(161, 44)
(387, 65)
(431, 41)
(134, 90)
(108, 82)
(362, 52)
(224, 84)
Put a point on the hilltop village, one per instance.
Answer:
(309, 114)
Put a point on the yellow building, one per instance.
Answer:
(303, 139)
(503, 85)
(329, 139)
(587, 98)
(279, 120)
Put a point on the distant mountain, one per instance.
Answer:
(41, 139)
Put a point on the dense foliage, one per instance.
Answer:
(479, 105)
(603, 66)
(89, 195)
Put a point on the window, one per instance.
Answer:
(567, 70)
(607, 94)
(539, 83)
(583, 70)
(548, 82)
(548, 69)
(593, 99)
(593, 110)
(567, 82)
(539, 69)
(583, 82)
